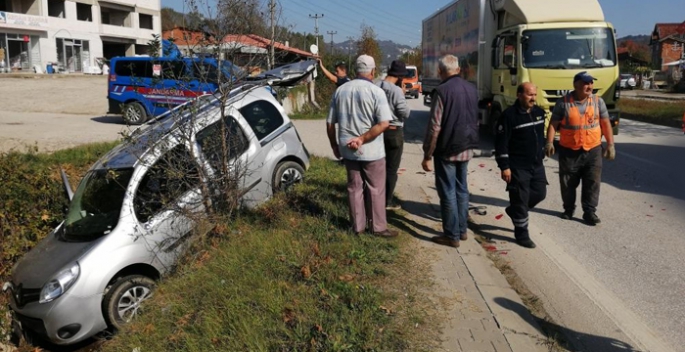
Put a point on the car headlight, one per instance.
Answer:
(60, 283)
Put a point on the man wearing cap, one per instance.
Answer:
(340, 76)
(361, 111)
(581, 119)
(451, 137)
(393, 137)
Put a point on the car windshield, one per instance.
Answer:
(94, 210)
(569, 48)
(411, 73)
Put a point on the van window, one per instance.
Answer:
(133, 68)
(211, 142)
(176, 69)
(172, 175)
(263, 118)
(206, 72)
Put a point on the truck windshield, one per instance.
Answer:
(568, 48)
(411, 73)
(94, 211)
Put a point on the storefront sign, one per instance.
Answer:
(16, 19)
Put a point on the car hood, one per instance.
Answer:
(45, 260)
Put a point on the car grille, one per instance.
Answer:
(23, 296)
(32, 324)
(407, 85)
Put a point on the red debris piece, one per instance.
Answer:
(503, 252)
(481, 165)
(499, 216)
(490, 248)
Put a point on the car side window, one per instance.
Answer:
(165, 181)
(263, 117)
(212, 140)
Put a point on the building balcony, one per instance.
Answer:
(142, 36)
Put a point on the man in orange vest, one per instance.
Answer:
(581, 119)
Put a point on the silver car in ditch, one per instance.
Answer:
(129, 220)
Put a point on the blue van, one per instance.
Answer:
(142, 87)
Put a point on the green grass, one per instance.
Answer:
(320, 115)
(290, 276)
(666, 113)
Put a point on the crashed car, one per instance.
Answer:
(131, 216)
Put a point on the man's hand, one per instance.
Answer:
(355, 143)
(506, 175)
(426, 165)
(549, 149)
(610, 152)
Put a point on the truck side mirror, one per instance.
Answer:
(513, 71)
(494, 51)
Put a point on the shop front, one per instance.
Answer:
(18, 52)
(73, 55)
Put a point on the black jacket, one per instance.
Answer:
(520, 138)
(459, 124)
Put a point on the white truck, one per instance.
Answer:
(502, 43)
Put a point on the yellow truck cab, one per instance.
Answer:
(502, 43)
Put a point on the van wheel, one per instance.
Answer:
(123, 299)
(134, 113)
(286, 175)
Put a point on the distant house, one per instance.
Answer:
(626, 61)
(251, 51)
(668, 43)
(191, 42)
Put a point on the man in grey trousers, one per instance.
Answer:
(361, 111)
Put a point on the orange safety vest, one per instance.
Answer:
(577, 131)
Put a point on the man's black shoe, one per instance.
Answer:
(591, 218)
(567, 215)
(526, 242)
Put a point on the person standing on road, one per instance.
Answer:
(519, 151)
(451, 137)
(361, 111)
(340, 76)
(581, 119)
(393, 137)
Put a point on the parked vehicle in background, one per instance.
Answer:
(626, 81)
(411, 82)
(502, 43)
(132, 214)
(142, 87)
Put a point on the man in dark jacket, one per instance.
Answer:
(519, 150)
(451, 137)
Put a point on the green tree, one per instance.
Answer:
(414, 57)
(368, 44)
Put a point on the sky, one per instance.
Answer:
(400, 20)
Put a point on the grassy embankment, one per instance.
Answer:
(666, 113)
(288, 276)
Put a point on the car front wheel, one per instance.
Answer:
(134, 113)
(286, 175)
(123, 299)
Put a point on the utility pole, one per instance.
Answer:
(349, 53)
(316, 17)
(272, 56)
(332, 33)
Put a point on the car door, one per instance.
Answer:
(167, 203)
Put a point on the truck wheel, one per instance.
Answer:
(286, 174)
(124, 297)
(492, 124)
(134, 113)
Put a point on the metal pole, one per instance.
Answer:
(332, 33)
(316, 26)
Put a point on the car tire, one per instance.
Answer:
(123, 298)
(134, 113)
(286, 175)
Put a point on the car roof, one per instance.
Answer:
(146, 138)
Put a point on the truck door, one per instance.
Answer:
(505, 69)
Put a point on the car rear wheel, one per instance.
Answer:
(134, 113)
(286, 175)
(123, 299)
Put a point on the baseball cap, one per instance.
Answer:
(584, 76)
(365, 64)
(340, 63)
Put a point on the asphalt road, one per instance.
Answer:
(625, 274)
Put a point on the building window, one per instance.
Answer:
(145, 21)
(84, 12)
(72, 54)
(56, 8)
(115, 17)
